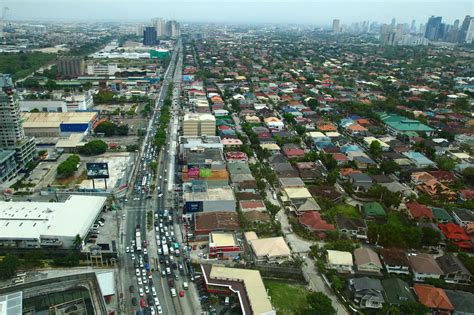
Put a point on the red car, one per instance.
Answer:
(142, 303)
(181, 293)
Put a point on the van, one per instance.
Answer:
(227, 300)
(185, 285)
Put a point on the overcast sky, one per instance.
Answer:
(318, 12)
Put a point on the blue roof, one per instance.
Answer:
(350, 148)
(418, 157)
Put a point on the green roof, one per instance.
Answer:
(441, 215)
(397, 291)
(401, 123)
(373, 209)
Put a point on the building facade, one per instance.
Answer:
(70, 67)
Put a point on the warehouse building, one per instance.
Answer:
(48, 224)
(58, 124)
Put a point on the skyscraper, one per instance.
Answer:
(12, 136)
(393, 24)
(433, 27)
(466, 32)
(413, 26)
(160, 25)
(336, 28)
(149, 36)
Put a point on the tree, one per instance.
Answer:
(413, 308)
(445, 163)
(94, 147)
(77, 242)
(34, 110)
(69, 166)
(318, 303)
(108, 128)
(313, 103)
(375, 149)
(468, 174)
(87, 86)
(430, 237)
(34, 258)
(389, 167)
(50, 85)
(132, 147)
(8, 266)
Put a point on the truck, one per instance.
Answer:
(138, 240)
(165, 249)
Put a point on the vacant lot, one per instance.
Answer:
(287, 298)
(20, 65)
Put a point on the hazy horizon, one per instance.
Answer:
(317, 12)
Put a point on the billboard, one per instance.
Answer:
(97, 170)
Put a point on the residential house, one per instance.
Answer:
(397, 292)
(397, 124)
(367, 292)
(433, 298)
(373, 210)
(462, 216)
(395, 261)
(326, 192)
(252, 205)
(293, 153)
(466, 194)
(418, 211)
(255, 216)
(462, 301)
(424, 266)
(313, 222)
(274, 123)
(418, 178)
(268, 250)
(352, 227)
(367, 261)
(339, 261)
(419, 159)
(456, 235)
(454, 270)
(440, 215)
(360, 181)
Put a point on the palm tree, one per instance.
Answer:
(77, 242)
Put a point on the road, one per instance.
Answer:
(138, 201)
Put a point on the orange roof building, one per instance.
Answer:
(433, 298)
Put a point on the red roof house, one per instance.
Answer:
(418, 211)
(434, 298)
(312, 221)
(293, 153)
(456, 234)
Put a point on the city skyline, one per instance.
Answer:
(319, 13)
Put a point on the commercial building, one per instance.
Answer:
(48, 106)
(198, 197)
(205, 223)
(224, 245)
(12, 136)
(160, 26)
(58, 124)
(433, 28)
(245, 283)
(195, 125)
(48, 224)
(149, 36)
(97, 69)
(466, 32)
(70, 67)
(7, 165)
(336, 27)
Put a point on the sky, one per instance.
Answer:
(316, 12)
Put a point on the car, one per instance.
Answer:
(163, 273)
(139, 281)
(150, 276)
(137, 272)
(131, 289)
(173, 292)
(134, 301)
(185, 285)
(140, 292)
(123, 216)
(181, 293)
(174, 264)
(162, 261)
(152, 311)
(181, 268)
(133, 257)
(176, 276)
(145, 252)
(157, 302)
(141, 264)
(160, 251)
(168, 270)
(147, 289)
(144, 279)
(159, 309)
(143, 272)
(101, 223)
(127, 249)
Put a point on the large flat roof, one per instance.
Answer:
(53, 120)
(222, 239)
(256, 292)
(33, 220)
(210, 194)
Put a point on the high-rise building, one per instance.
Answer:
(12, 136)
(140, 29)
(466, 32)
(393, 24)
(173, 29)
(336, 27)
(160, 26)
(149, 36)
(413, 26)
(433, 28)
(456, 24)
(70, 67)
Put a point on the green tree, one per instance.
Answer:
(8, 266)
(50, 85)
(94, 147)
(34, 258)
(69, 166)
(468, 174)
(375, 149)
(77, 242)
(87, 86)
(389, 167)
(108, 128)
(313, 103)
(318, 303)
(445, 163)
(34, 110)
(413, 308)
(430, 237)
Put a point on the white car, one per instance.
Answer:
(158, 241)
(139, 280)
(157, 302)
(143, 272)
(153, 291)
(133, 257)
(141, 264)
(152, 311)
(140, 292)
(137, 272)
(173, 292)
(127, 249)
(147, 289)
(145, 280)
(160, 310)
(145, 252)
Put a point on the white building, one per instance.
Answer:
(48, 224)
(44, 106)
(340, 261)
(102, 69)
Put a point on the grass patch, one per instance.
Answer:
(346, 210)
(286, 298)
(20, 65)
(149, 220)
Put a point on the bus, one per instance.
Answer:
(138, 238)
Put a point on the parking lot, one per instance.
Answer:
(107, 234)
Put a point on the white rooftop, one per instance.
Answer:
(33, 220)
